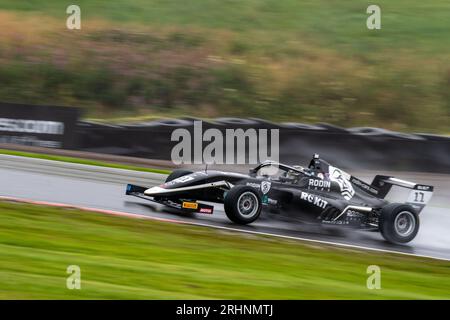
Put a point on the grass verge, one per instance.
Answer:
(122, 258)
(81, 161)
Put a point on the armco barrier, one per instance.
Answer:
(358, 148)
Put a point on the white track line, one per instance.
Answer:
(141, 216)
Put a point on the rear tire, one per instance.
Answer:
(176, 174)
(242, 204)
(399, 223)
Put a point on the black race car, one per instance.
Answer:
(320, 193)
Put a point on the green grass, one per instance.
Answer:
(123, 258)
(311, 61)
(406, 23)
(81, 161)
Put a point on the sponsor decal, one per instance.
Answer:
(315, 200)
(206, 210)
(342, 179)
(319, 184)
(265, 187)
(190, 205)
(31, 126)
(337, 222)
(183, 179)
(421, 187)
(253, 185)
(364, 186)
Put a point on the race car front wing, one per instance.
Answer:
(187, 205)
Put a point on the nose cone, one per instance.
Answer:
(154, 191)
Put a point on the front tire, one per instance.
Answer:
(399, 223)
(177, 174)
(242, 204)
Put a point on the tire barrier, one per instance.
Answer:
(356, 148)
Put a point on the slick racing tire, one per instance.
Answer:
(399, 223)
(176, 174)
(242, 204)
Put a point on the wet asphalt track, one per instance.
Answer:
(103, 188)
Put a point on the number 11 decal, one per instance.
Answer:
(419, 197)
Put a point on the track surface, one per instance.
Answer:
(103, 188)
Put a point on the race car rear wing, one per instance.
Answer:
(398, 190)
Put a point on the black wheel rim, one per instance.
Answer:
(247, 204)
(405, 223)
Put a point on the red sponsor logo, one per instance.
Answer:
(206, 210)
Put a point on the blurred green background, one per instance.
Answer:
(306, 61)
